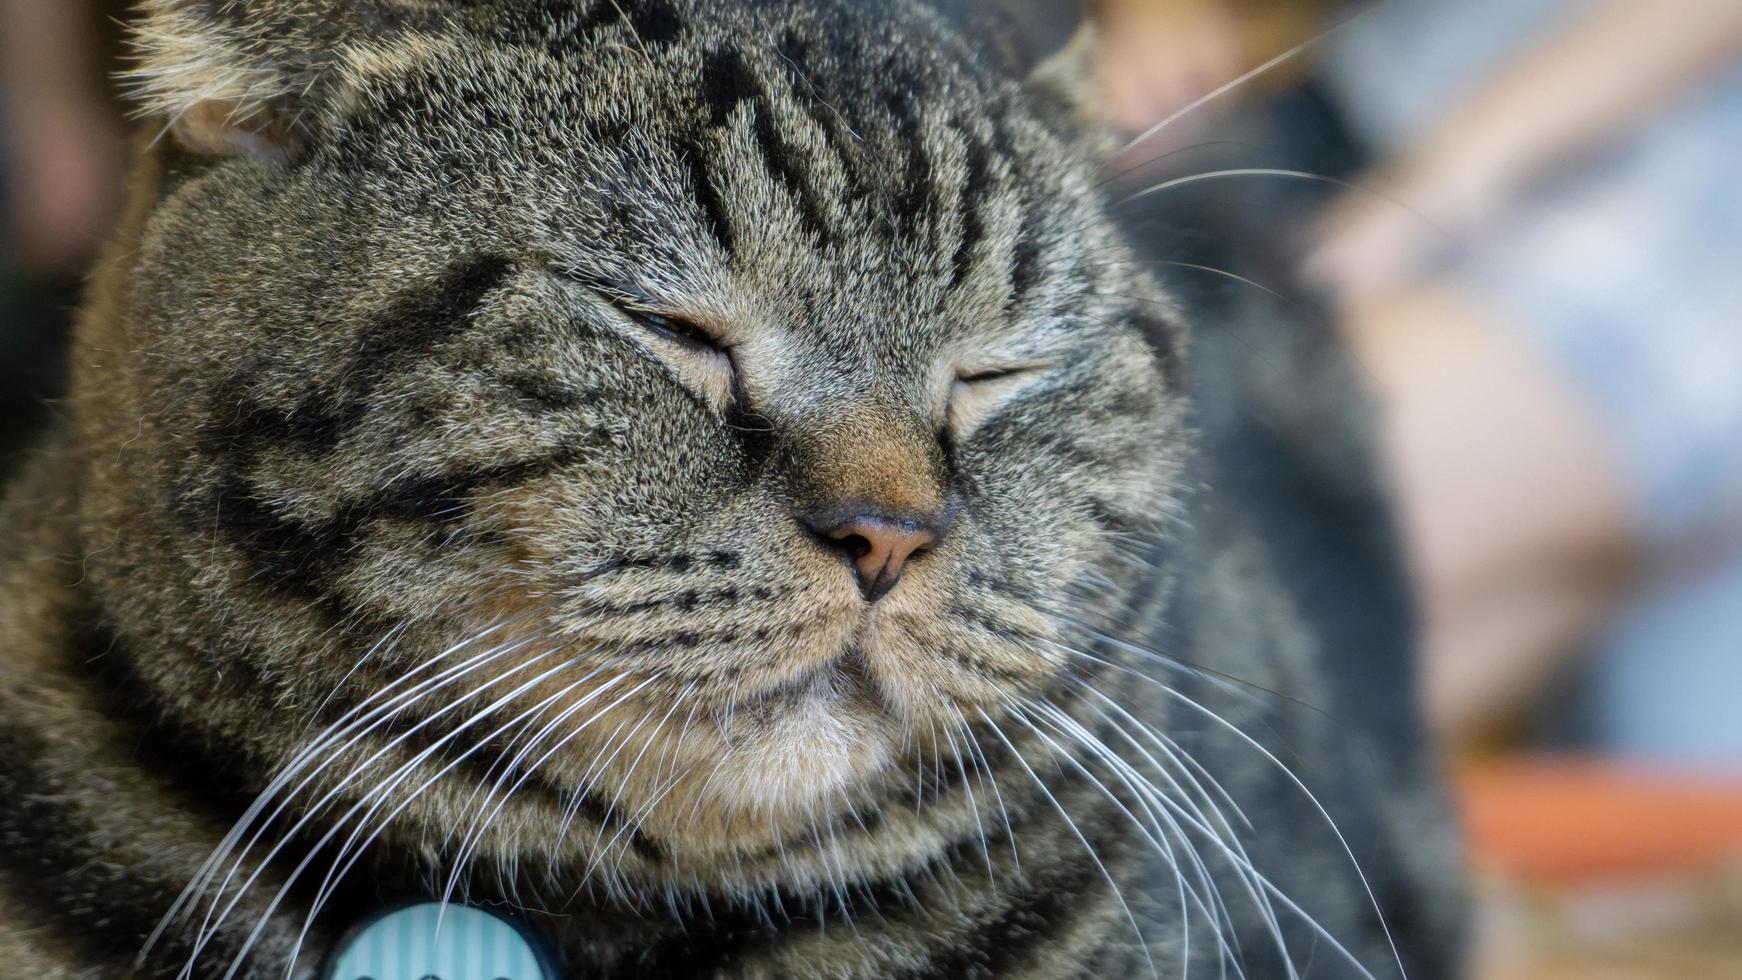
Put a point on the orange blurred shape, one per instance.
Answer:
(1568, 821)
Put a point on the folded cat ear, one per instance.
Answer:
(1048, 46)
(1066, 76)
(228, 78)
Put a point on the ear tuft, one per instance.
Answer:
(216, 127)
(229, 78)
(204, 78)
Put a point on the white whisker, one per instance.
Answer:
(1118, 894)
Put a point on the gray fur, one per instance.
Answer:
(357, 385)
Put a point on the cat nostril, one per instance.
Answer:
(877, 545)
(854, 546)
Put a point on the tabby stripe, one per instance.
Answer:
(727, 83)
(1024, 265)
(936, 783)
(708, 198)
(313, 425)
(1163, 345)
(428, 317)
(915, 199)
(74, 889)
(737, 929)
(783, 164)
(974, 195)
(795, 54)
(297, 557)
(488, 765)
(1036, 916)
(653, 22)
(548, 392)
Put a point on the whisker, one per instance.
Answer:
(984, 765)
(1118, 894)
(1348, 851)
(1185, 808)
(973, 805)
(1287, 174)
(358, 850)
(629, 773)
(1245, 77)
(481, 823)
(382, 715)
(346, 724)
(1147, 795)
(1219, 827)
(359, 805)
(1225, 682)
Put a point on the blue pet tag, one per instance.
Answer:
(468, 944)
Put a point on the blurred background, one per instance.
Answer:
(1522, 218)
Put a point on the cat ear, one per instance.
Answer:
(1048, 46)
(228, 78)
(1066, 76)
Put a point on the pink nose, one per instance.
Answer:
(878, 545)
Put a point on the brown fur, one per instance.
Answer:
(366, 387)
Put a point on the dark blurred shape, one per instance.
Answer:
(34, 318)
(62, 154)
(1022, 33)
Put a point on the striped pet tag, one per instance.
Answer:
(468, 944)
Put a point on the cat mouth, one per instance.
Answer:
(845, 679)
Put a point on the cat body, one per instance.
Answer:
(706, 475)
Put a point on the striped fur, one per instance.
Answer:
(375, 502)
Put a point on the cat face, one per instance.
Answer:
(702, 405)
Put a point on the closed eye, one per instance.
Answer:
(993, 374)
(700, 358)
(978, 393)
(1002, 372)
(638, 308)
(671, 328)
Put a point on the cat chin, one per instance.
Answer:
(801, 765)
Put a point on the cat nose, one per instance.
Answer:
(877, 544)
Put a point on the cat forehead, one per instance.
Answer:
(654, 65)
(829, 165)
(654, 125)
(235, 75)
(831, 33)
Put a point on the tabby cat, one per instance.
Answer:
(703, 477)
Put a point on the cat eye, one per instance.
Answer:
(1025, 370)
(993, 374)
(670, 328)
(704, 362)
(978, 393)
(637, 307)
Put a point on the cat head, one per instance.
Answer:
(700, 406)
